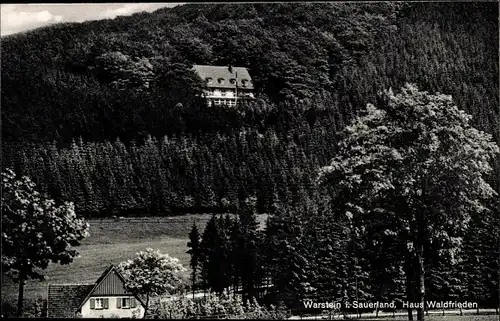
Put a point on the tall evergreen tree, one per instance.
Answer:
(248, 247)
(194, 252)
(286, 261)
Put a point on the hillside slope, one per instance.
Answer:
(110, 78)
(315, 66)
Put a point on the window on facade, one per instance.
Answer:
(232, 81)
(210, 93)
(99, 303)
(125, 303)
(221, 81)
(244, 82)
(217, 102)
(209, 80)
(223, 93)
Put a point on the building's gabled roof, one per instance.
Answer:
(64, 300)
(111, 269)
(227, 73)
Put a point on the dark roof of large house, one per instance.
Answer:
(227, 73)
(64, 299)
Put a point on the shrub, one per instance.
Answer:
(223, 306)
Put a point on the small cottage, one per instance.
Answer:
(106, 298)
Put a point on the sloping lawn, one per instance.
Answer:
(111, 242)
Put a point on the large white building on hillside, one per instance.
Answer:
(226, 85)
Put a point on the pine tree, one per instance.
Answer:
(285, 255)
(215, 253)
(194, 252)
(248, 247)
(235, 255)
(208, 252)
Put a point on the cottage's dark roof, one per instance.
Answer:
(104, 274)
(216, 72)
(101, 278)
(64, 299)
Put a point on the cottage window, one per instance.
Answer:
(125, 303)
(209, 80)
(244, 82)
(99, 303)
(221, 81)
(232, 81)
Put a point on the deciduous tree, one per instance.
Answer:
(35, 231)
(416, 158)
(152, 273)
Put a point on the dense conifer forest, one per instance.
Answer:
(106, 114)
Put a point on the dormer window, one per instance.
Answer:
(209, 80)
(232, 81)
(244, 82)
(220, 81)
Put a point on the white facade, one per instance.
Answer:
(114, 308)
(223, 93)
(224, 96)
(225, 85)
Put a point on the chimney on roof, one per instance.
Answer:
(230, 69)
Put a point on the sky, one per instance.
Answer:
(21, 17)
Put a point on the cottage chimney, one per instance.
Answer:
(230, 69)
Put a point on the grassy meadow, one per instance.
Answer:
(111, 242)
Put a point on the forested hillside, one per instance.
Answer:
(105, 113)
(124, 77)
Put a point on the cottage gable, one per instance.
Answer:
(108, 297)
(111, 284)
